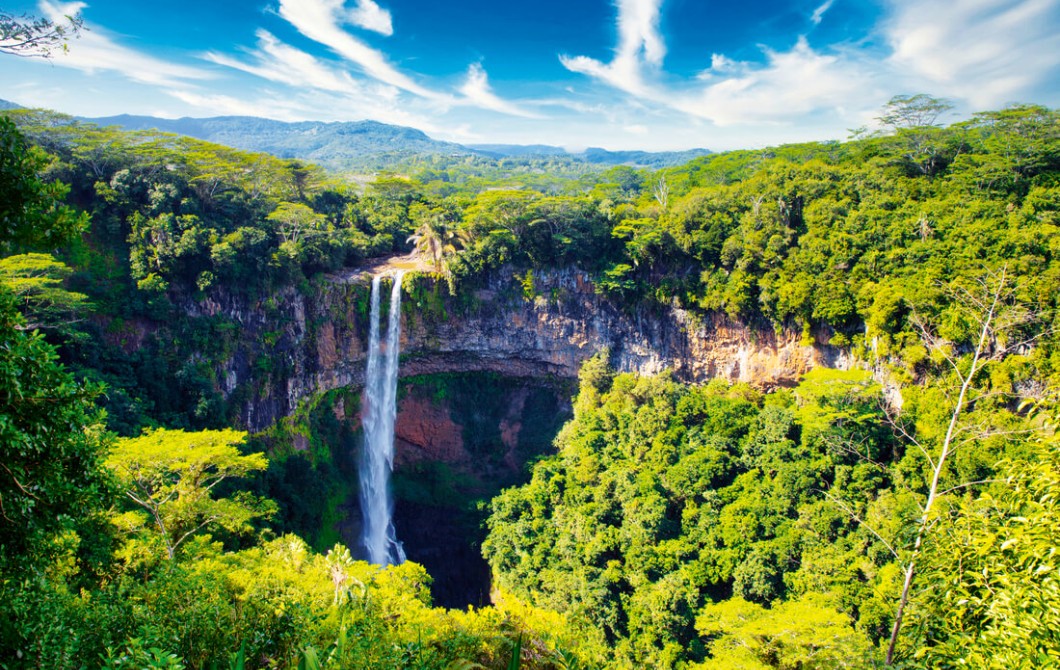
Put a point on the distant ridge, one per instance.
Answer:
(654, 159)
(509, 150)
(366, 145)
(336, 145)
(369, 145)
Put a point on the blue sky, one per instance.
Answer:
(621, 74)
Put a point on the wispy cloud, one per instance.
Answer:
(476, 89)
(640, 44)
(791, 83)
(308, 105)
(227, 105)
(982, 51)
(282, 63)
(371, 16)
(818, 14)
(322, 21)
(95, 51)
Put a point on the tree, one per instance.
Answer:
(172, 475)
(51, 441)
(434, 236)
(804, 633)
(295, 221)
(28, 36)
(36, 279)
(904, 112)
(989, 585)
(51, 438)
(31, 210)
(914, 121)
(997, 334)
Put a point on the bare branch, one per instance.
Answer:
(861, 522)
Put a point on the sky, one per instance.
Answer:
(618, 74)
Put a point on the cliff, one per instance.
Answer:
(316, 342)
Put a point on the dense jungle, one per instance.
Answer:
(894, 503)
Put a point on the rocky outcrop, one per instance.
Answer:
(317, 341)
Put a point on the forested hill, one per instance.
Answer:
(369, 146)
(359, 145)
(644, 159)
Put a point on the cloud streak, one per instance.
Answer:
(640, 46)
(818, 14)
(477, 91)
(322, 21)
(981, 52)
(281, 63)
(95, 51)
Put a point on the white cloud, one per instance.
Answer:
(371, 16)
(94, 51)
(322, 21)
(307, 105)
(225, 105)
(790, 84)
(818, 14)
(279, 62)
(476, 89)
(639, 43)
(981, 53)
(984, 51)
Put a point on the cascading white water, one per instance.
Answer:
(378, 412)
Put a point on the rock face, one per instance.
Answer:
(317, 341)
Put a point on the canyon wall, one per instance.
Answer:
(315, 341)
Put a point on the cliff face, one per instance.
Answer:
(460, 438)
(317, 343)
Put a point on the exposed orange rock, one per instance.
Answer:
(326, 350)
(424, 431)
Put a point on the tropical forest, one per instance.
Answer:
(329, 395)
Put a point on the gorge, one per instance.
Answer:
(693, 418)
(486, 380)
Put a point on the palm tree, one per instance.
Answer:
(436, 239)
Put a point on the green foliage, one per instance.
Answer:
(36, 280)
(664, 498)
(989, 594)
(52, 443)
(52, 440)
(277, 605)
(803, 633)
(31, 210)
(171, 474)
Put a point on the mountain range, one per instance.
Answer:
(368, 145)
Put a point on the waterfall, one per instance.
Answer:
(378, 412)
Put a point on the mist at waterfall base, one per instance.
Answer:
(378, 413)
